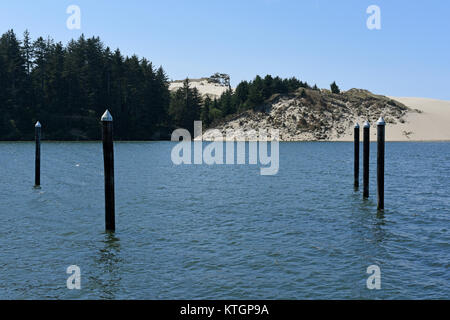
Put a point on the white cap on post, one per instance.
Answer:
(107, 116)
(366, 124)
(381, 122)
(356, 125)
(37, 125)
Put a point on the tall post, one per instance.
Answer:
(108, 157)
(356, 160)
(381, 125)
(366, 157)
(37, 163)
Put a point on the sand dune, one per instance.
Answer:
(205, 87)
(431, 124)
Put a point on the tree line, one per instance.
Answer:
(68, 87)
(248, 95)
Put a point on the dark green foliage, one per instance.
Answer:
(253, 94)
(334, 88)
(68, 88)
(185, 107)
(221, 78)
(204, 113)
(214, 112)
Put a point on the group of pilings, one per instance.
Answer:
(108, 157)
(381, 124)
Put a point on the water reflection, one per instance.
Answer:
(380, 217)
(109, 263)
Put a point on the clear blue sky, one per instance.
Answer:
(316, 40)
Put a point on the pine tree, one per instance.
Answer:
(255, 94)
(214, 112)
(185, 107)
(267, 89)
(334, 88)
(68, 88)
(226, 103)
(204, 116)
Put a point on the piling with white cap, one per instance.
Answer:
(366, 157)
(108, 157)
(37, 163)
(356, 156)
(381, 125)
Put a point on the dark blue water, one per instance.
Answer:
(224, 231)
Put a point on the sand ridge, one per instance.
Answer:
(431, 123)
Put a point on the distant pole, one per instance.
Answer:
(37, 167)
(366, 156)
(108, 157)
(356, 162)
(381, 125)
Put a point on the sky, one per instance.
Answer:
(318, 41)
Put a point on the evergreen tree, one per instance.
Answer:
(226, 103)
(334, 88)
(214, 112)
(267, 89)
(185, 107)
(69, 87)
(255, 93)
(204, 116)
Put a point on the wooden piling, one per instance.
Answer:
(108, 157)
(366, 157)
(381, 125)
(356, 159)
(37, 163)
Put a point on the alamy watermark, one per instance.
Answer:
(374, 280)
(374, 20)
(74, 280)
(213, 153)
(74, 20)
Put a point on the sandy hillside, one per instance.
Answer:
(431, 124)
(313, 115)
(205, 87)
(322, 116)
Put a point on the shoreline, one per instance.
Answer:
(430, 124)
(290, 141)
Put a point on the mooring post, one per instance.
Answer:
(366, 156)
(108, 157)
(37, 163)
(381, 125)
(356, 161)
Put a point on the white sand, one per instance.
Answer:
(213, 90)
(433, 124)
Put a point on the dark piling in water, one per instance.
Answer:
(356, 161)
(366, 157)
(108, 157)
(37, 163)
(381, 125)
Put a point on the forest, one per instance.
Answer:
(68, 87)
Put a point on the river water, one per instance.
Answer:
(224, 231)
